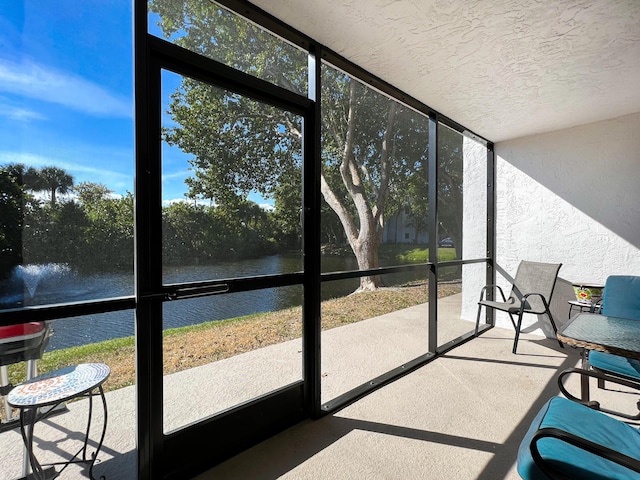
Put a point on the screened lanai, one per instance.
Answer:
(269, 215)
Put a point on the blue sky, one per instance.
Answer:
(66, 92)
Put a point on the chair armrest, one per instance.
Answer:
(493, 287)
(523, 301)
(534, 294)
(601, 376)
(579, 442)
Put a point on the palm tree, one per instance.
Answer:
(54, 180)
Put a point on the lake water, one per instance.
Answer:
(48, 284)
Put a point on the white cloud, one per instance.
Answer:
(39, 82)
(180, 174)
(81, 172)
(40, 161)
(265, 206)
(45, 196)
(171, 201)
(19, 114)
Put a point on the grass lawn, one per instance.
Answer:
(401, 252)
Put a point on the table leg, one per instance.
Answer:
(28, 418)
(104, 431)
(83, 450)
(86, 437)
(584, 379)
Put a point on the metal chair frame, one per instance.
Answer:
(511, 307)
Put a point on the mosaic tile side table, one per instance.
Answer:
(50, 390)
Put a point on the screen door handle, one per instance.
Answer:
(194, 292)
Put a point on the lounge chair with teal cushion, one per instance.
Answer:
(567, 440)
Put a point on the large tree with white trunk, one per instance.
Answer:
(374, 149)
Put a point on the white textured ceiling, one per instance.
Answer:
(502, 68)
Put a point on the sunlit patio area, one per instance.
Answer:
(461, 416)
(454, 418)
(266, 228)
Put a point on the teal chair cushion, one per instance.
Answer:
(572, 461)
(621, 297)
(615, 363)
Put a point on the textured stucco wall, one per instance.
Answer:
(570, 196)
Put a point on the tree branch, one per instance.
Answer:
(337, 206)
(385, 162)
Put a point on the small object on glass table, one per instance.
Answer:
(588, 296)
(587, 292)
(50, 390)
(583, 307)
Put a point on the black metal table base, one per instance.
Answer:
(28, 419)
(8, 425)
(49, 474)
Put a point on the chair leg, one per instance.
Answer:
(553, 324)
(515, 340)
(478, 318)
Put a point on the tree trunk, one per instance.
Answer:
(364, 243)
(365, 236)
(366, 252)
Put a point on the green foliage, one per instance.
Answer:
(287, 216)
(12, 199)
(410, 253)
(450, 183)
(55, 234)
(94, 230)
(199, 234)
(210, 30)
(51, 179)
(110, 226)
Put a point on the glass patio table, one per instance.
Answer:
(604, 333)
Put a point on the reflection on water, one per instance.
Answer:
(59, 284)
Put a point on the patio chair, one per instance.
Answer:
(530, 293)
(567, 440)
(621, 298)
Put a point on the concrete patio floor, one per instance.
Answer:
(459, 417)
